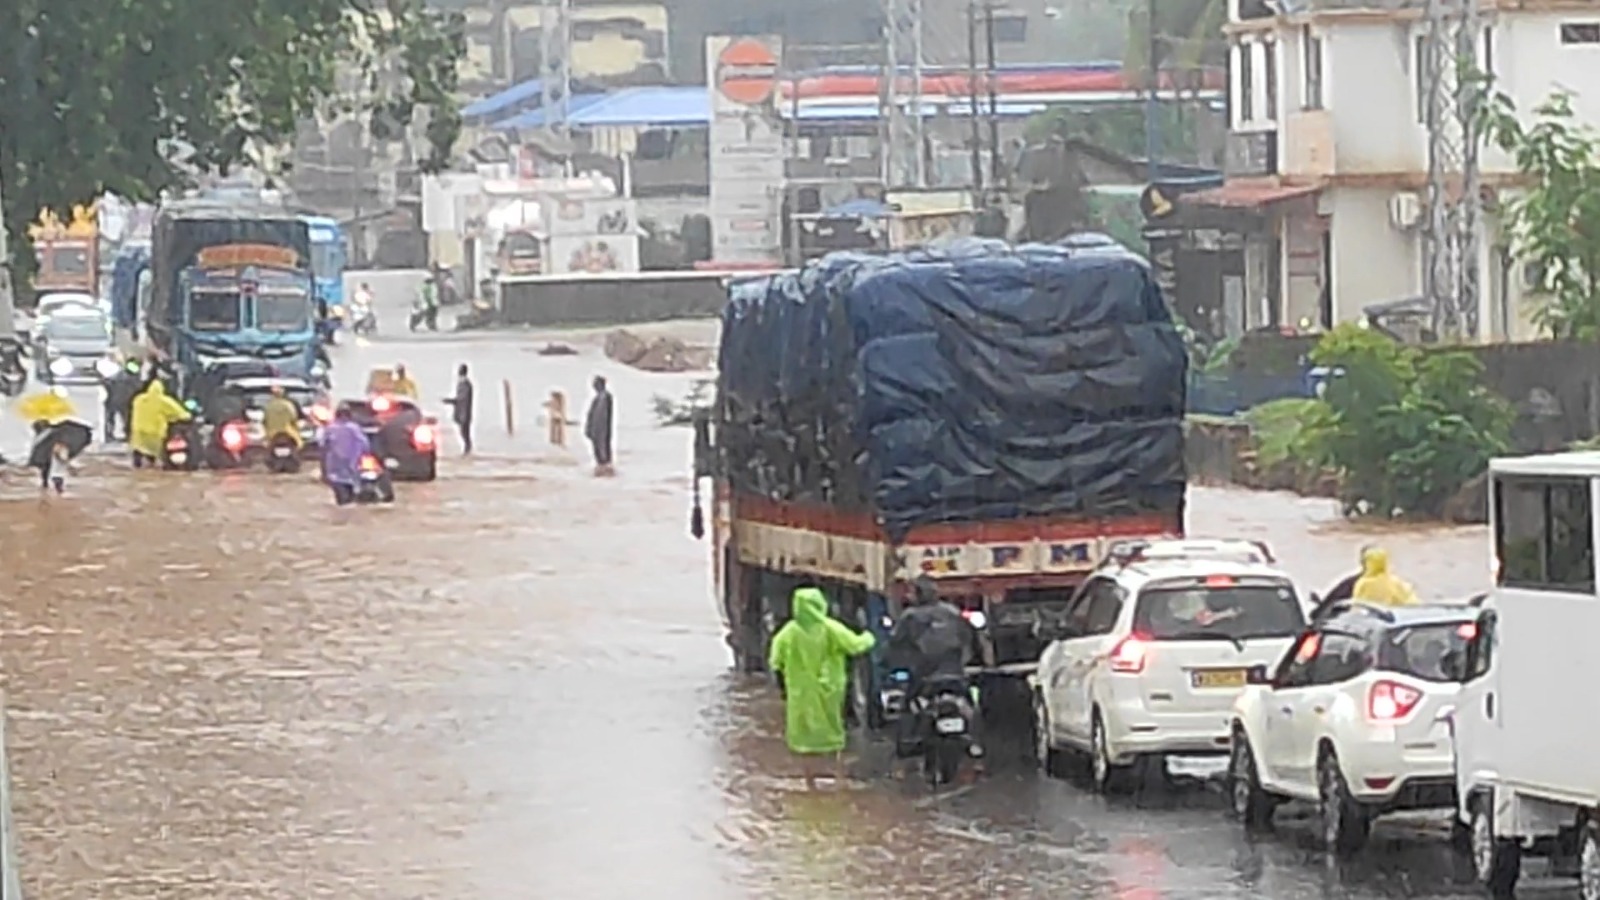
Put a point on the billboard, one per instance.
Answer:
(747, 149)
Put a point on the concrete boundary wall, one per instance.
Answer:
(625, 300)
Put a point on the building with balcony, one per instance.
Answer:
(1328, 158)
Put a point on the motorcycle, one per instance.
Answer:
(178, 451)
(374, 484)
(283, 455)
(363, 321)
(944, 715)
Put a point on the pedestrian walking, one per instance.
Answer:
(811, 655)
(461, 405)
(597, 427)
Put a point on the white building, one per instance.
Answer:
(1329, 155)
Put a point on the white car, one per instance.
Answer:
(1354, 718)
(1155, 648)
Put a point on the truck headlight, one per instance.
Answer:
(60, 367)
(106, 368)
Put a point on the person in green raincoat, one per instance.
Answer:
(811, 652)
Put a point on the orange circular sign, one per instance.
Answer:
(747, 71)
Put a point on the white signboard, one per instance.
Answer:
(747, 149)
(593, 255)
(574, 216)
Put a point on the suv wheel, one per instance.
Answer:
(1108, 777)
(1248, 802)
(1345, 822)
(1496, 863)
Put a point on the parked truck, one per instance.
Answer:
(989, 416)
(1525, 713)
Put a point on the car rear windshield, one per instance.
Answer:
(1235, 612)
(1428, 652)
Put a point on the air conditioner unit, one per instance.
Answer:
(1405, 210)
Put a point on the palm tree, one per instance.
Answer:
(1189, 34)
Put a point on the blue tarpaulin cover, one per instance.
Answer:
(976, 382)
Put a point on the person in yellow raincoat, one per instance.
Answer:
(402, 384)
(811, 653)
(153, 413)
(279, 417)
(1377, 584)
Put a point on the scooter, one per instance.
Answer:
(363, 321)
(942, 729)
(374, 485)
(178, 452)
(283, 455)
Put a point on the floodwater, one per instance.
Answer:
(512, 684)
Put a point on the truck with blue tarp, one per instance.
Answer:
(328, 258)
(232, 278)
(989, 416)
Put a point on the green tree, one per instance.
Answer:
(1189, 33)
(94, 94)
(1555, 220)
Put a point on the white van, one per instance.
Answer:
(1528, 716)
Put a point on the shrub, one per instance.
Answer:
(1290, 430)
(1407, 429)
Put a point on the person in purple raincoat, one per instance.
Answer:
(343, 445)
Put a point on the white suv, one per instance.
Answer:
(1356, 719)
(1155, 648)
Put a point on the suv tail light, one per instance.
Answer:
(1390, 701)
(422, 436)
(1129, 654)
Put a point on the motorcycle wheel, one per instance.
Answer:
(941, 762)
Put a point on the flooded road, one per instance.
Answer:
(512, 684)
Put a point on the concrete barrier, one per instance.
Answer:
(10, 878)
(548, 300)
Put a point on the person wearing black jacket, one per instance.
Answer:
(1340, 592)
(461, 404)
(932, 641)
(597, 427)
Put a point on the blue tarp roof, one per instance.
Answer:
(661, 107)
(511, 96)
(534, 118)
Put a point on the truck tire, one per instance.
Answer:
(1496, 863)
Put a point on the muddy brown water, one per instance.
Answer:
(512, 684)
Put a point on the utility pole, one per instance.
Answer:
(901, 110)
(1152, 105)
(8, 299)
(996, 162)
(1452, 233)
(972, 100)
(555, 50)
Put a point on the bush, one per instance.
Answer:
(1407, 429)
(1290, 430)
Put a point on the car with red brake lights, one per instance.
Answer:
(403, 437)
(1154, 649)
(1355, 718)
(234, 434)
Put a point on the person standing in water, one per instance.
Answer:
(461, 406)
(597, 427)
(811, 656)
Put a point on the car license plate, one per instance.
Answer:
(1219, 678)
(178, 459)
(280, 452)
(951, 725)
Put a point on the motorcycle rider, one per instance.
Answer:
(361, 316)
(281, 417)
(154, 412)
(402, 384)
(933, 642)
(120, 389)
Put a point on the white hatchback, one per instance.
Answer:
(1355, 718)
(1155, 648)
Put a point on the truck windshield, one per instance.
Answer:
(1428, 652)
(214, 311)
(1223, 612)
(68, 261)
(283, 312)
(327, 260)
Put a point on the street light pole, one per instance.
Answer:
(8, 299)
(1152, 135)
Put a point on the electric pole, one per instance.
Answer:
(555, 71)
(1452, 232)
(904, 160)
(8, 300)
(996, 163)
(972, 100)
(1152, 107)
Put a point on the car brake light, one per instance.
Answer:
(380, 404)
(232, 437)
(1467, 630)
(1129, 655)
(422, 436)
(1220, 581)
(1390, 701)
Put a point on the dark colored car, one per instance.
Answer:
(234, 435)
(402, 436)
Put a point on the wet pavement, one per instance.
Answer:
(512, 684)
